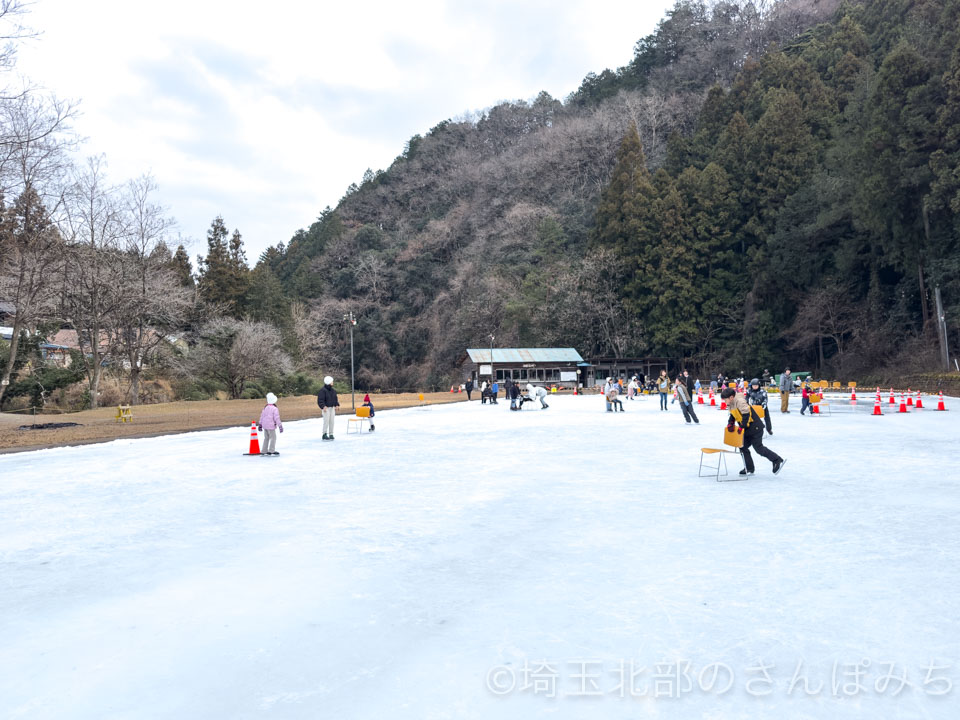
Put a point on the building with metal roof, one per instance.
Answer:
(553, 366)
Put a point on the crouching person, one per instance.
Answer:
(742, 414)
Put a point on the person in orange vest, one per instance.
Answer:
(752, 428)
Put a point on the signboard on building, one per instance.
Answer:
(484, 370)
(568, 376)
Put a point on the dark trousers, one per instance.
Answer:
(756, 442)
(468, 394)
(688, 413)
(663, 401)
(804, 404)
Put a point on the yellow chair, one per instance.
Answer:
(363, 416)
(124, 414)
(715, 473)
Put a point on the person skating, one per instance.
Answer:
(367, 403)
(746, 417)
(663, 387)
(513, 392)
(632, 387)
(766, 378)
(328, 402)
(786, 386)
(468, 386)
(685, 403)
(689, 383)
(484, 393)
(494, 390)
(805, 397)
(613, 403)
(756, 395)
(269, 424)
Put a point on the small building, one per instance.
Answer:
(551, 366)
(603, 367)
(7, 312)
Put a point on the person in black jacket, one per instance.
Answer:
(513, 392)
(328, 402)
(468, 386)
(756, 395)
(752, 428)
(690, 383)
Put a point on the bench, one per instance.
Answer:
(362, 416)
(721, 463)
(124, 414)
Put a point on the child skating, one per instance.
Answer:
(751, 425)
(269, 424)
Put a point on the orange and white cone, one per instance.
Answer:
(876, 405)
(713, 400)
(853, 395)
(723, 404)
(699, 396)
(919, 404)
(903, 404)
(254, 440)
(940, 406)
(909, 397)
(892, 401)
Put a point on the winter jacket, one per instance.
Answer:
(468, 386)
(663, 384)
(759, 397)
(327, 397)
(683, 394)
(611, 391)
(749, 421)
(514, 392)
(688, 381)
(786, 383)
(270, 419)
(536, 392)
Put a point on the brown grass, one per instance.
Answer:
(168, 418)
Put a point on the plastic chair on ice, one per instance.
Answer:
(732, 439)
(362, 416)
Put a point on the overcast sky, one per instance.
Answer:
(266, 112)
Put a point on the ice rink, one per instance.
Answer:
(464, 561)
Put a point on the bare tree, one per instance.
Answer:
(234, 352)
(827, 313)
(93, 273)
(151, 301)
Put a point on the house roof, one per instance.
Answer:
(7, 307)
(525, 355)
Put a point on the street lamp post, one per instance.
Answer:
(349, 318)
(491, 360)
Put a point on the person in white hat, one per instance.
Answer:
(328, 402)
(269, 424)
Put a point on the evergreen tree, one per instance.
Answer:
(181, 266)
(223, 275)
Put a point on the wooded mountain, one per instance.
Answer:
(763, 183)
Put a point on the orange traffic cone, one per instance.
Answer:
(713, 400)
(909, 397)
(699, 396)
(254, 440)
(919, 404)
(892, 401)
(903, 404)
(940, 406)
(876, 405)
(723, 404)
(853, 395)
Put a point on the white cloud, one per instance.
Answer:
(265, 113)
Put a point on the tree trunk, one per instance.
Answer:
(97, 370)
(924, 309)
(14, 346)
(134, 384)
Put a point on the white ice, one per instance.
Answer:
(418, 571)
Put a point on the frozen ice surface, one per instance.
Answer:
(464, 561)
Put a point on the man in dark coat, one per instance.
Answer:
(689, 382)
(328, 403)
(750, 424)
(468, 386)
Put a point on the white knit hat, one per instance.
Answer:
(271, 399)
(328, 380)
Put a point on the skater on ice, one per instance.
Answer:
(513, 392)
(663, 387)
(369, 404)
(686, 405)
(750, 424)
(756, 395)
(269, 424)
(805, 403)
(537, 393)
(328, 402)
(786, 386)
(611, 390)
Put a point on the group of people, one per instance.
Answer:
(328, 402)
(490, 391)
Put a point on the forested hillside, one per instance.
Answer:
(763, 183)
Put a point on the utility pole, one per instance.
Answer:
(349, 318)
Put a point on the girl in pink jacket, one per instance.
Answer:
(269, 424)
